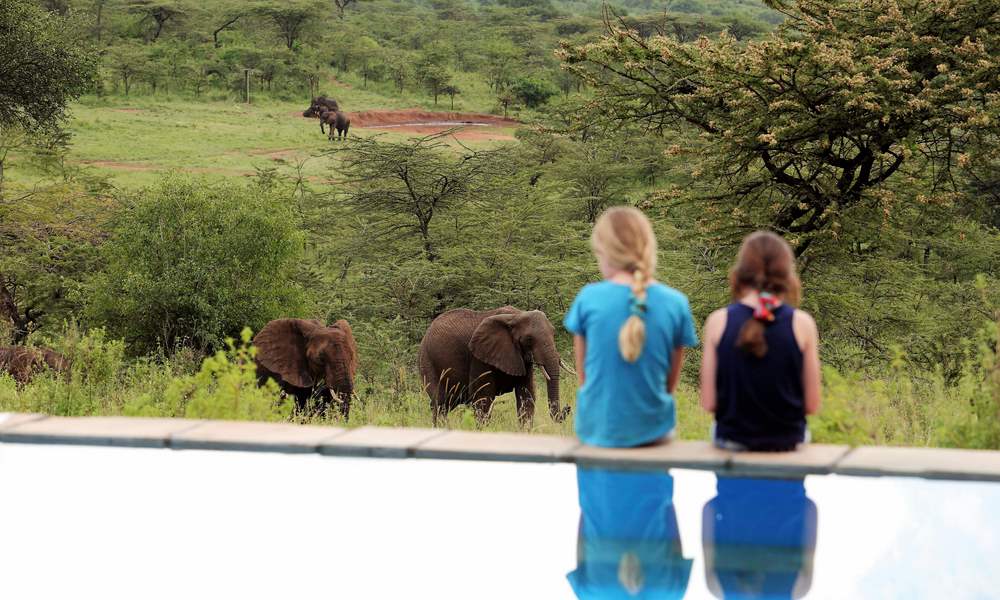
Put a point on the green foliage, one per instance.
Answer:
(533, 92)
(191, 263)
(100, 381)
(48, 238)
(44, 64)
(224, 388)
(821, 118)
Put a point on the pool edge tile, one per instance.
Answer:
(497, 446)
(927, 463)
(254, 436)
(11, 420)
(677, 454)
(116, 431)
(379, 442)
(812, 459)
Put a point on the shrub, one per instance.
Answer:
(191, 263)
(224, 388)
(533, 92)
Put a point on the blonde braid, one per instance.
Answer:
(623, 237)
(632, 336)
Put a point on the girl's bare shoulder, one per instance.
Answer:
(803, 319)
(715, 324)
(804, 328)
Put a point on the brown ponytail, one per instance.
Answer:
(765, 264)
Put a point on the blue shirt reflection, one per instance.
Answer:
(628, 544)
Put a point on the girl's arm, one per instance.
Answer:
(676, 361)
(807, 335)
(579, 353)
(714, 326)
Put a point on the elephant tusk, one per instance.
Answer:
(567, 368)
(544, 372)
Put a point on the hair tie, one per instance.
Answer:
(765, 309)
(637, 307)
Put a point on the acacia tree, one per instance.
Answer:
(292, 19)
(403, 186)
(341, 6)
(820, 116)
(43, 65)
(159, 12)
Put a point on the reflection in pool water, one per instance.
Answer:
(758, 536)
(628, 545)
(759, 539)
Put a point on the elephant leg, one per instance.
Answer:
(302, 397)
(439, 392)
(482, 393)
(344, 402)
(525, 395)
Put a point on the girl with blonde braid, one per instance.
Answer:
(630, 332)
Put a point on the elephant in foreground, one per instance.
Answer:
(336, 120)
(309, 360)
(471, 357)
(24, 363)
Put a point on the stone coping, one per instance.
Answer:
(401, 442)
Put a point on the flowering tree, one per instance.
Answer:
(831, 112)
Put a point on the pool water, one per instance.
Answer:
(81, 522)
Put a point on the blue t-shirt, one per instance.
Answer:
(622, 403)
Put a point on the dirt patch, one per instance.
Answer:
(466, 126)
(414, 117)
(271, 153)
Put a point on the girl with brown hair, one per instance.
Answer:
(760, 371)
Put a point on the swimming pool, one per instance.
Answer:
(105, 522)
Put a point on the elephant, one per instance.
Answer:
(336, 120)
(318, 105)
(309, 359)
(24, 363)
(471, 357)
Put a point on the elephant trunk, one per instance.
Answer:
(550, 368)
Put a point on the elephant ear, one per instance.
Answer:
(352, 346)
(281, 349)
(493, 344)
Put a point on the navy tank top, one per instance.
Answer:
(759, 401)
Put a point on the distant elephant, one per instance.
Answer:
(318, 105)
(309, 359)
(471, 357)
(336, 120)
(24, 363)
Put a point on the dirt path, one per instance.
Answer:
(468, 126)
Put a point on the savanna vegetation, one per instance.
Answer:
(150, 217)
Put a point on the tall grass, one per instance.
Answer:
(897, 407)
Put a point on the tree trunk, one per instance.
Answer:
(100, 11)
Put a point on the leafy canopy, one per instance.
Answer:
(823, 114)
(44, 64)
(192, 263)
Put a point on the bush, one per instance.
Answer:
(191, 263)
(224, 388)
(533, 92)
